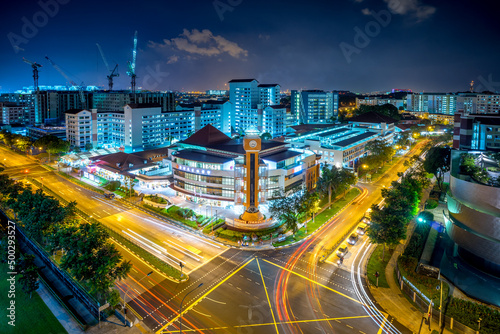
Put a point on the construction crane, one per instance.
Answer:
(35, 67)
(114, 72)
(79, 87)
(131, 66)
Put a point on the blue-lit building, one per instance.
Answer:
(314, 106)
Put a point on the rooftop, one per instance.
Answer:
(352, 140)
(201, 156)
(242, 80)
(280, 156)
(143, 105)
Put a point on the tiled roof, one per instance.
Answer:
(208, 135)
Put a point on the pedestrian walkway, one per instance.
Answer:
(392, 299)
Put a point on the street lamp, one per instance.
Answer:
(124, 297)
(182, 302)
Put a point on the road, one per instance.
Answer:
(278, 291)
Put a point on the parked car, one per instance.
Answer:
(362, 229)
(109, 195)
(353, 238)
(343, 250)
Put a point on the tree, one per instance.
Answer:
(404, 139)
(437, 162)
(90, 257)
(53, 145)
(287, 208)
(88, 147)
(385, 228)
(382, 150)
(39, 212)
(29, 273)
(266, 136)
(310, 203)
(23, 143)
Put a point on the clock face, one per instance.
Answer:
(252, 144)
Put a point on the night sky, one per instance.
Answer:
(424, 45)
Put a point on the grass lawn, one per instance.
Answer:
(171, 213)
(32, 315)
(320, 219)
(375, 264)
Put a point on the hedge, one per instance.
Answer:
(468, 313)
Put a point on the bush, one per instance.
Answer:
(113, 185)
(417, 241)
(431, 204)
(156, 199)
(468, 313)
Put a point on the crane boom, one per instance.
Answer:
(131, 66)
(35, 67)
(102, 55)
(80, 88)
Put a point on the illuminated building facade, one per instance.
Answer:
(314, 106)
(211, 167)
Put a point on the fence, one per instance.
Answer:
(423, 305)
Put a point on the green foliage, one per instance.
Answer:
(334, 180)
(380, 152)
(431, 204)
(385, 109)
(468, 313)
(53, 144)
(173, 213)
(417, 241)
(90, 257)
(113, 185)
(424, 284)
(38, 212)
(88, 147)
(114, 298)
(156, 199)
(28, 270)
(437, 162)
(266, 136)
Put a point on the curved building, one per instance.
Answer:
(474, 219)
(211, 167)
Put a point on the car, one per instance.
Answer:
(353, 238)
(343, 250)
(362, 229)
(109, 195)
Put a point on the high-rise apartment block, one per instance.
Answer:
(314, 106)
(142, 126)
(256, 105)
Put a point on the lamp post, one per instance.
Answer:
(180, 310)
(124, 298)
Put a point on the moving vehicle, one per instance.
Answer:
(109, 195)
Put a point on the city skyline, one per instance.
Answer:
(348, 45)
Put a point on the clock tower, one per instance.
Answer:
(252, 146)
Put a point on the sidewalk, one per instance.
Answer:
(392, 299)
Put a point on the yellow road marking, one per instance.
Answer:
(271, 324)
(131, 309)
(267, 296)
(206, 294)
(310, 280)
(382, 326)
